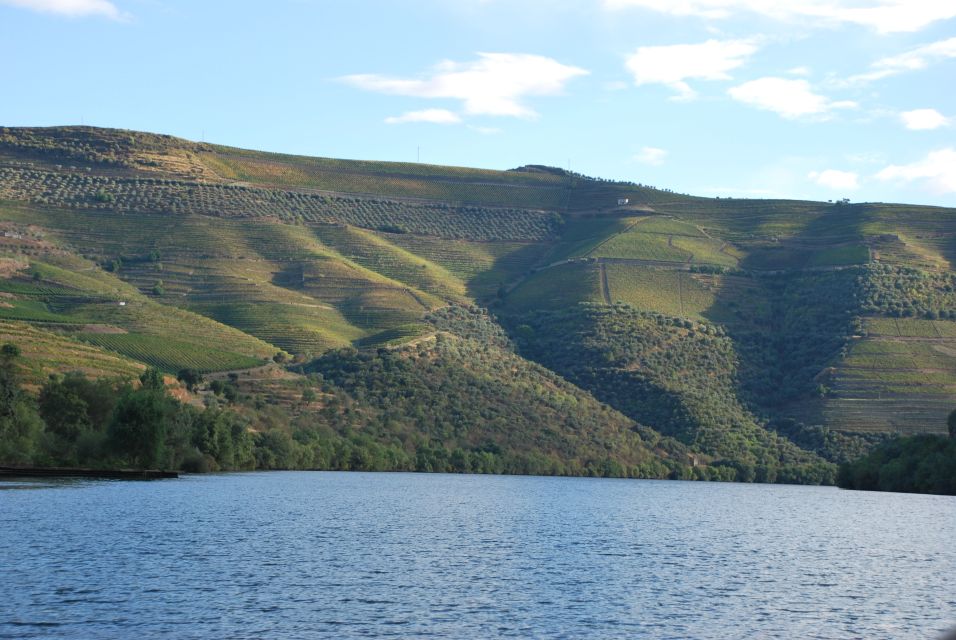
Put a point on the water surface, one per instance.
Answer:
(304, 555)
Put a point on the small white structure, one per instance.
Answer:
(122, 303)
(623, 201)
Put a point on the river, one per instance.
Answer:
(348, 555)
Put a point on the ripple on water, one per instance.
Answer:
(296, 555)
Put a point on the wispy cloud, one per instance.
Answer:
(937, 171)
(836, 179)
(496, 84)
(912, 60)
(434, 116)
(790, 98)
(70, 8)
(651, 155)
(674, 65)
(924, 119)
(884, 16)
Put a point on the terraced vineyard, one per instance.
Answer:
(94, 306)
(658, 239)
(378, 255)
(46, 352)
(675, 293)
(149, 195)
(168, 354)
(397, 179)
(558, 288)
(129, 249)
(901, 377)
(483, 267)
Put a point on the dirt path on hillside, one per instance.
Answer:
(605, 288)
(680, 292)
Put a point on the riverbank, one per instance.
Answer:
(73, 472)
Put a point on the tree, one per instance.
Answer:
(138, 429)
(951, 423)
(10, 350)
(9, 383)
(64, 412)
(152, 379)
(20, 426)
(89, 402)
(190, 377)
(103, 196)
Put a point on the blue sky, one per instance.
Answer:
(814, 99)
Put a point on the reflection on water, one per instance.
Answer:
(7, 484)
(300, 555)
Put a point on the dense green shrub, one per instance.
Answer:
(918, 464)
(676, 376)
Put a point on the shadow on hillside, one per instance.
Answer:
(506, 272)
(789, 313)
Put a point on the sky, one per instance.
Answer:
(810, 99)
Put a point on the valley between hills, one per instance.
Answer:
(340, 314)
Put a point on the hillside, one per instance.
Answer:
(758, 336)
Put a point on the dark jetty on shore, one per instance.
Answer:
(69, 472)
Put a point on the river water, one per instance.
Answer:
(344, 555)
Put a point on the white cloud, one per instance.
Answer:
(912, 60)
(71, 8)
(651, 155)
(435, 116)
(790, 98)
(884, 16)
(924, 119)
(495, 84)
(835, 179)
(673, 65)
(937, 170)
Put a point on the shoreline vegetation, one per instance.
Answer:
(123, 429)
(105, 424)
(916, 464)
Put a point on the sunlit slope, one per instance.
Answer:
(71, 297)
(278, 282)
(308, 254)
(47, 351)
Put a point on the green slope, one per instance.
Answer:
(225, 256)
